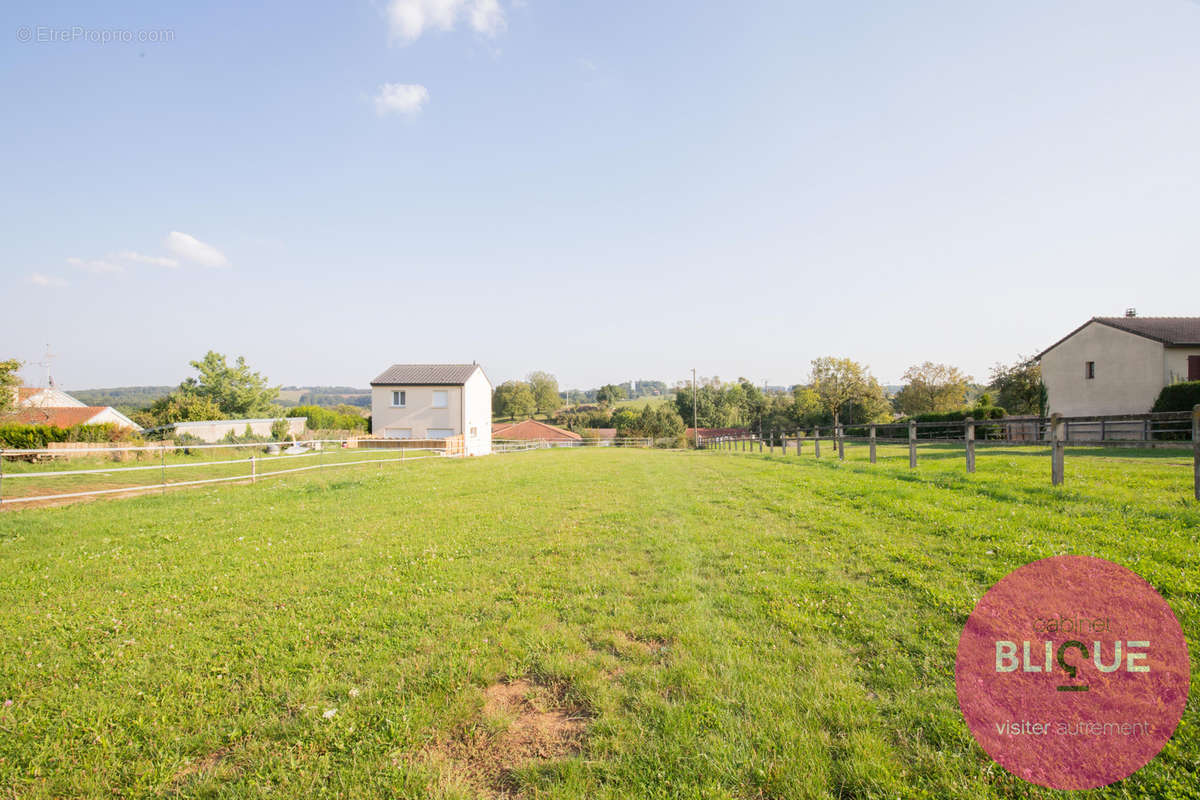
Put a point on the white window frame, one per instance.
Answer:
(445, 395)
(402, 396)
(406, 431)
(430, 431)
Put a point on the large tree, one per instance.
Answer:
(179, 407)
(514, 399)
(847, 390)
(545, 392)
(609, 393)
(9, 381)
(1018, 387)
(932, 388)
(237, 391)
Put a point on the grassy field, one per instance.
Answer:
(594, 623)
(641, 402)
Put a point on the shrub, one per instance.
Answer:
(279, 430)
(1178, 397)
(31, 437)
(324, 419)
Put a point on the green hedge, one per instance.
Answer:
(1178, 397)
(323, 419)
(31, 437)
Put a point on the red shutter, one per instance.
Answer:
(1194, 368)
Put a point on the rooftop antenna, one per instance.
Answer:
(47, 359)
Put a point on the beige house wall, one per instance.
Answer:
(418, 413)
(1176, 359)
(1130, 372)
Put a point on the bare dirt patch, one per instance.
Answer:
(521, 723)
(209, 765)
(646, 645)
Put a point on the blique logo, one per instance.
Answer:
(1072, 672)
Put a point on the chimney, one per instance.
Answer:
(1131, 312)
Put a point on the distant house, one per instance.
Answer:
(434, 401)
(713, 433)
(531, 429)
(70, 416)
(1118, 365)
(603, 434)
(40, 406)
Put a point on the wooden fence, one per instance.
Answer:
(1175, 430)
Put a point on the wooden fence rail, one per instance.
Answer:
(1176, 430)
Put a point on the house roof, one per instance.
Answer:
(426, 375)
(58, 417)
(532, 429)
(49, 397)
(1170, 331)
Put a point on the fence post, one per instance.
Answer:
(162, 463)
(1195, 447)
(912, 444)
(2, 476)
(872, 444)
(760, 443)
(799, 442)
(1102, 432)
(772, 444)
(253, 470)
(841, 443)
(970, 437)
(817, 442)
(1146, 429)
(1058, 449)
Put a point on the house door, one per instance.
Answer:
(1194, 368)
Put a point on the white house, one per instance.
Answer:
(1118, 365)
(434, 401)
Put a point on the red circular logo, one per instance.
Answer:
(1072, 672)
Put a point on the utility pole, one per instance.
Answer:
(695, 428)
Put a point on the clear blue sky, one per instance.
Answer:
(603, 190)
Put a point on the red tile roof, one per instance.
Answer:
(57, 417)
(532, 429)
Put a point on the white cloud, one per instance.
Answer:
(400, 98)
(49, 281)
(154, 261)
(95, 265)
(189, 248)
(408, 19)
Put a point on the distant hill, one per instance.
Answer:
(328, 396)
(128, 399)
(123, 398)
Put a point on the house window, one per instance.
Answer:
(440, 398)
(397, 433)
(1089, 370)
(439, 433)
(398, 399)
(1194, 368)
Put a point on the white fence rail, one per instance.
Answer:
(308, 456)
